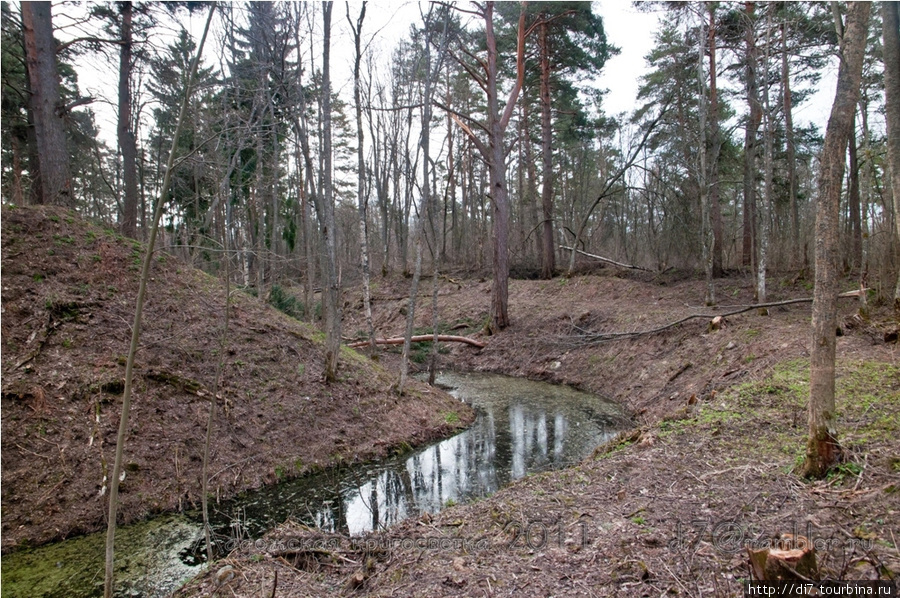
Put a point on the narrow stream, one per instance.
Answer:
(522, 427)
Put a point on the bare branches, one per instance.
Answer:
(599, 337)
(444, 338)
(606, 259)
(89, 39)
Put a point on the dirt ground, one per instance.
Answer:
(68, 296)
(709, 471)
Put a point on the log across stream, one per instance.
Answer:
(522, 427)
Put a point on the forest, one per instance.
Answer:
(306, 155)
(708, 172)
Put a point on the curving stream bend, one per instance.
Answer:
(522, 427)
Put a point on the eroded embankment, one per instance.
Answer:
(68, 297)
(672, 507)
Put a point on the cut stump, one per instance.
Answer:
(793, 558)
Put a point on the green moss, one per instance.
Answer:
(868, 411)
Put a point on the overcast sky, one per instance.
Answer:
(627, 28)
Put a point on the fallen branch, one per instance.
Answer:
(398, 340)
(605, 336)
(607, 260)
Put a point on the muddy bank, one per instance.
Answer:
(68, 297)
(670, 508)
(653, 375)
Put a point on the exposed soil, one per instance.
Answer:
(68, 296)
(671, 507)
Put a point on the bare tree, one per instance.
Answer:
(790, 147)
(332, 294)
(361, 199)
(136, 326)
(715, 147)
(822, 446)
(765, 209)
(425, 209)
(891, 44)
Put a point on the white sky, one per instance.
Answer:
(626, 27)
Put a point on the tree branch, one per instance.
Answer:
(607, 260)
(63, 110)
(93, 40)
(599, 337)
(520, 71)
(482, 148)
(444, 338)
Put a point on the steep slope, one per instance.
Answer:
(68, 294)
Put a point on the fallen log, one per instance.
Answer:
(607, 260)
(597, 337)
(398, 340)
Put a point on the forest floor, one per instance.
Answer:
(68, 297)
(671, 507)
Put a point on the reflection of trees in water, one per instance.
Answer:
(530, 438)
(504, 444)
(476, 462)
(560, 425)
(518, 430)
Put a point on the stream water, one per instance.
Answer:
(522, 427)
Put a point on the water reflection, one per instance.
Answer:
(522, 427)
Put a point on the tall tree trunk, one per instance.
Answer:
(891, 44)
(259, 223)
(548, 249)
(853, 202)
(748, 255)
(766, 209)
(707, 240)
(411, 310)
(496, 159)
(50, 136)
(715, 144)
(530, 172)
(790, 148)
(125, 133)
(332, 294)
(361, 176)
(865, 179)
(822, 446)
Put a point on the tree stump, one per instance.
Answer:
(793, 558)
(716, 323)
